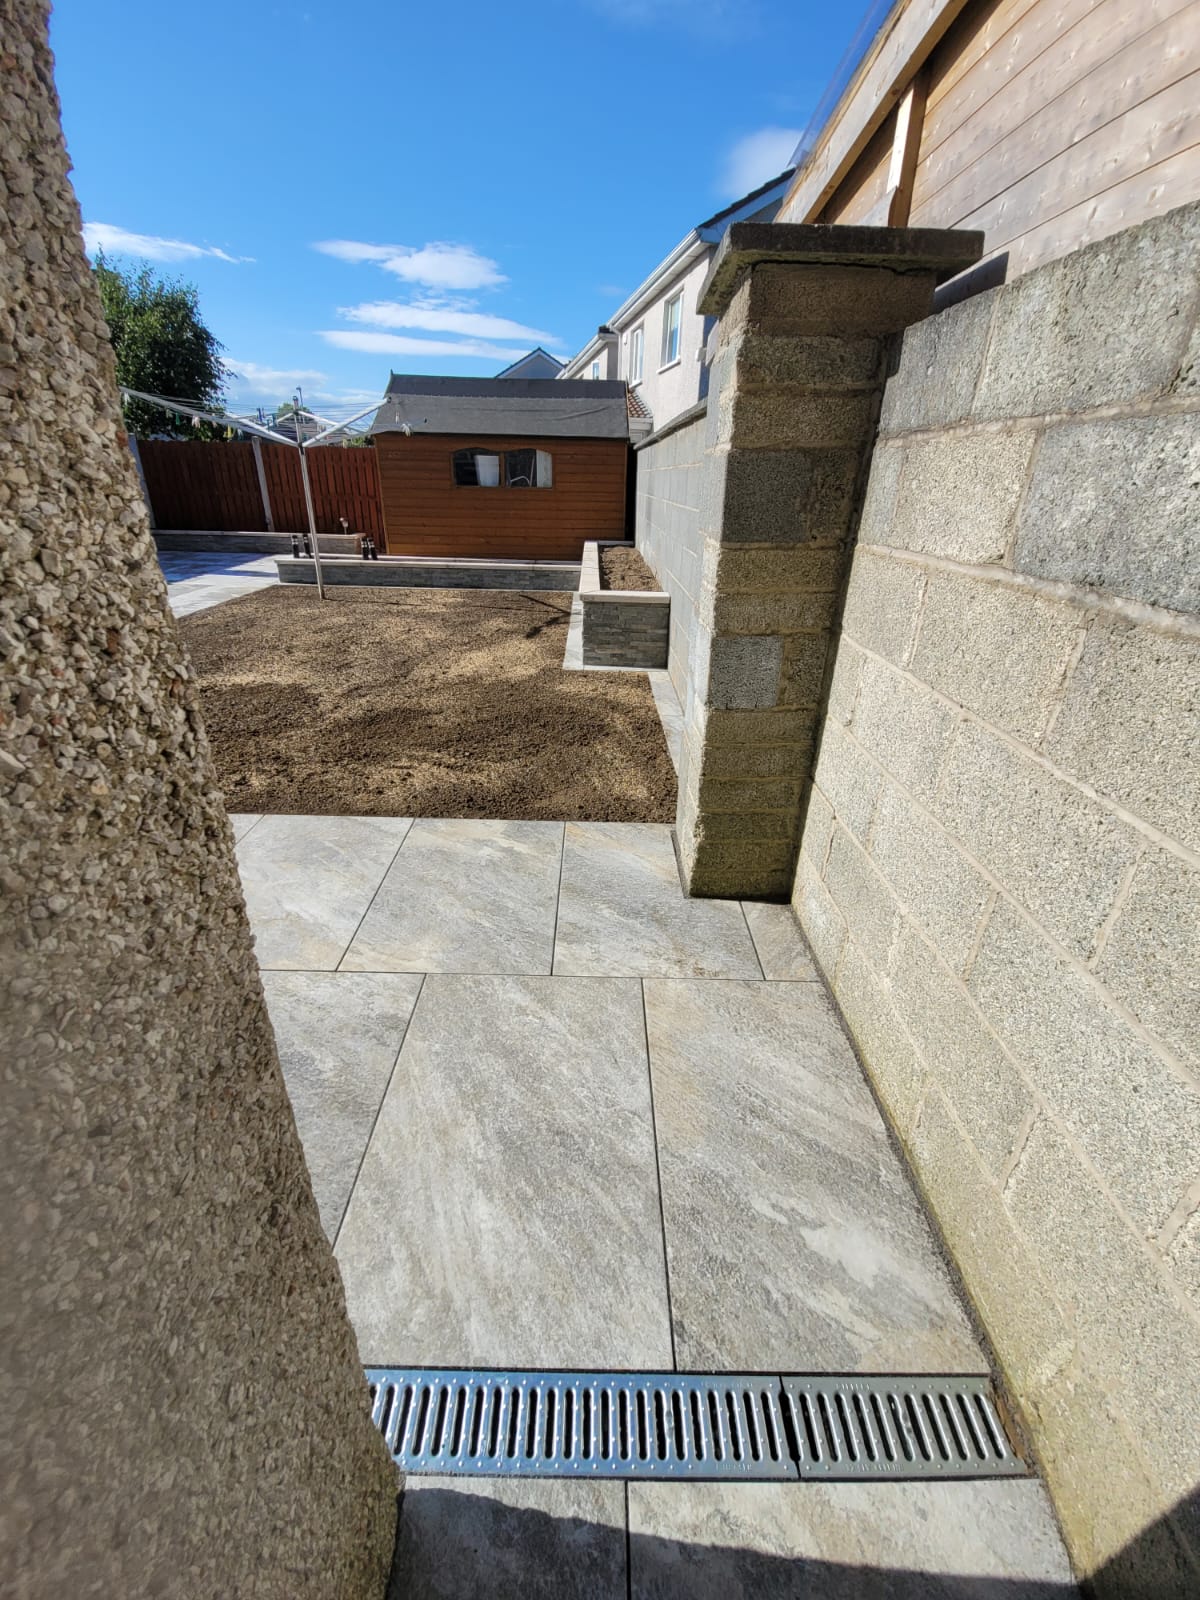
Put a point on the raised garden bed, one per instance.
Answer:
(621, 627)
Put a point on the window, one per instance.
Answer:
(672, 316)
(522, 469)
(636, 342)
(595, 369)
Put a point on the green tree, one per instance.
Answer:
(162, 347)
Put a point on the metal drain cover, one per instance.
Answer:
(679, 1425)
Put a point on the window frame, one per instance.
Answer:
(676, 301)
(637, 339)
(543, 461)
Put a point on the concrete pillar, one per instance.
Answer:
(184, 1410)
(808, 314)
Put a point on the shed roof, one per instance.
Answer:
(547, 408)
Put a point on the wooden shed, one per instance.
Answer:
(507, 468)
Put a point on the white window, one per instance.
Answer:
(637, 340)
(523, 469)
(595, 369)
(672, 316)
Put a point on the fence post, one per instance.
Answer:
(256, 442)
(137, 461)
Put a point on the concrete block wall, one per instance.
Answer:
(1000, 862)
(668, 529)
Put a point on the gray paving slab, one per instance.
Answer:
(338, 1036)
(510, 1540)
(465, 896)
(622, 912)
(308, 882)
(199, 579)
(782, 949)
(242, 821)
(507, 1210)
(892, 1541)
(794, 1240)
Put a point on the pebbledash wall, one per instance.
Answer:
(1000, 864)
(184, 1409)
(669, 468)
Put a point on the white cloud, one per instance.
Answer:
(756, 158)
(444, 319)
(440, 266)
(119, 241)
(251, 378)
(398, 344)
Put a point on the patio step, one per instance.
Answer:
(755, 1427)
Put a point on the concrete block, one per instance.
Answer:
(779, 496)
(904, 726)
(749, 794)
(882, 601)
(1135, 1120)
(802, 680)
(812, 363)
(843, 689)
(934, 882)
(1061, 855)
(865, 901)
(817, 828)
(759, 728)
(1183, 1258)
(772, 613)
(838, 300)
(1116, 504)
(782, 569)
(1001, 652)
(1105, 324)
(822, 922)
(790, 761)
(879, 504)
(748, 827)
(850, 780)
(1132, 1331)
(1130, 724)
(743, 674)
(733, 870)
(1152, 958)
(939, 366)
(960, 1053)
(783, 419)
(958, 495)
(895, 1069)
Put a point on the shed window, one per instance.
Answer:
(482, 469)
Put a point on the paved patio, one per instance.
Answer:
(197, 579)
(558, 1115)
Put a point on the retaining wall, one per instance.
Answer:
(668, 527)
(1000, 867)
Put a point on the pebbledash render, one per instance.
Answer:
(936, 627)
(173, 1318)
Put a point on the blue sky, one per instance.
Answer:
(482, 177)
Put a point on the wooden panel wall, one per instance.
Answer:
(1050, 123)
(862, 190)
(203, 484)
(426, 514)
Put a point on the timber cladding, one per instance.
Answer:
(426, 514)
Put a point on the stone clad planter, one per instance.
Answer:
(621, 627)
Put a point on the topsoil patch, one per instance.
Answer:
(625, 569)
(422, 703)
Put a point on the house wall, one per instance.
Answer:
(1047, 123)
(184, 1409)
(426, 514)
(1000, 866)
(668, 529)
(670, 391)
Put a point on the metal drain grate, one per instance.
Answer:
(676, 1425)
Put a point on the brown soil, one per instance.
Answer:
(625, 569)
(425, 703)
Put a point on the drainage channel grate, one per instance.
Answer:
(678, 1425)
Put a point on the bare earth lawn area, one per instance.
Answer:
(425, 703)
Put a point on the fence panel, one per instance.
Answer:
(345, 483)
(208, 485)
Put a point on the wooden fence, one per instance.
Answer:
(216, 486)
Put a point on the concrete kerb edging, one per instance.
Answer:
(425, 572)
(621, 627)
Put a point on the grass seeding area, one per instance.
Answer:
(422, 703)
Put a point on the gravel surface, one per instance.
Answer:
(425, 703)
(625, 569)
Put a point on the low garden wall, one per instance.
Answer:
(621, 627)
(415, 572)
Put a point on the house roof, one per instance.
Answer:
(536, 357)
(548, 408)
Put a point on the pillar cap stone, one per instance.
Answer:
(943, 251)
